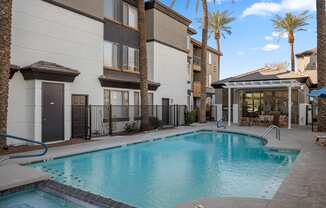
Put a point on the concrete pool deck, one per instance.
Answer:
(304, 187)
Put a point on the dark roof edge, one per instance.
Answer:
(117, 83)
(191, 31)
(167, 10)
(221, 83)
(306, 53)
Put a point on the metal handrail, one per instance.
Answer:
(26, 140)
(270, 129)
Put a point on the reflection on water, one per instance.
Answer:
(165, 173)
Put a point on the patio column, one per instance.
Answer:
(229, 106)
(289, 106)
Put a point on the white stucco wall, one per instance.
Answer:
(42, 31)
(170, 70)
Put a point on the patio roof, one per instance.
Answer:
(120, 79)
(264, 77)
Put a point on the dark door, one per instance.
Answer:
(52, 112)
(79, 107)
(165, 111)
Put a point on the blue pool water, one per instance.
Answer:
(35, 199)
(165, 173)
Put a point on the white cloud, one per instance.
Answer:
(280, 34)
(262, 9)
(270, 47)
(240, 53)
(268, 8)
(299, 4)
(269, 38)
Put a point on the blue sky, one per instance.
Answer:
(254, 42)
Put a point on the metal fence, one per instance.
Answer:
(102, 120)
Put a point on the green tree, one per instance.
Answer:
(290, 24)
(218, 23)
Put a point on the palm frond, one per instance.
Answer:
(218, 21)
(291, 22)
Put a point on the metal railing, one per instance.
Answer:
(270, 129)
(26, 140)
(103, 120)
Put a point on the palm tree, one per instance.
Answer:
(5, 40)
(321, 60)
(218, 22)
(290, 24)
(143, 66)
(203, 65)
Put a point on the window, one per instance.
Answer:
(110, 54)
(119, 97)
(130, 58)
(111, 9)
(137, 103)
(209, 58)
(188, 42)
(150, 98)
(209, 80)
(119, 101)
(130, 16)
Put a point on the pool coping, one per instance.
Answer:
(68, 193)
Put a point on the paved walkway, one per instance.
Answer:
(14, 175)
(305, 186)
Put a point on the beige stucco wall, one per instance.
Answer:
(165, 29)
(304, 66)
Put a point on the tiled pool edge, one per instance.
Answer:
(63, 191)
(67, 193)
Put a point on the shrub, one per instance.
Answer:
(191, 117)
(155, 123)
(130, 126)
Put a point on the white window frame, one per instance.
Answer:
(127, 8)
(130, 58)
(113, 64)
(115, 5)
(209, 58)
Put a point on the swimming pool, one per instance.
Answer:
(179, 169)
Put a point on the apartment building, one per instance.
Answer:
(194, 72)
(67, 53)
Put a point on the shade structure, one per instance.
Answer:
(318, 93)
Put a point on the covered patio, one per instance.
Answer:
(264, 97)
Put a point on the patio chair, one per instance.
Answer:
(320, 139)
